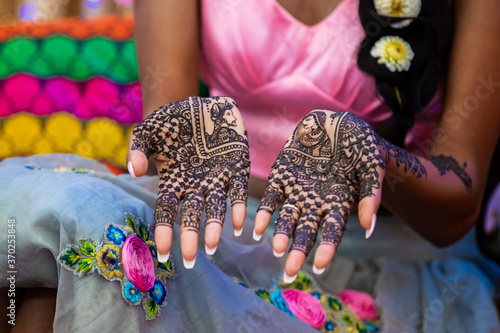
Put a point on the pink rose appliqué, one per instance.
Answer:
(305, 307)
(138, 263)
(360, 303)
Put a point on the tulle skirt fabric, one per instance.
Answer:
(416, 286)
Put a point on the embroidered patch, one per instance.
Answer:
(106, 258)
(336, 317)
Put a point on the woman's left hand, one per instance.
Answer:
(330, 160)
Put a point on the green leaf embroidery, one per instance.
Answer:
(361, 327)
(152, 308)
(143, 232)
(167, 266)
(85, 265)
(87, 248)
(71, 257)
(131, 222)
(263, 294)
(334, 304)
(347, 319)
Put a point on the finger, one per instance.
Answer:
(270, 201)
(331, 236)
(215, 211)
(190, 217)
(238, 193)
(303, 241)
(284, 228)
(138, 152)
(165, 213)
(371, 196)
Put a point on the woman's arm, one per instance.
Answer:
(440, 197)
(167, 43)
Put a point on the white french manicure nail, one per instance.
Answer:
(277, 254)
(188, 264)
(131, 169)
(369, 232)
(318, 271)
(256, 237)
(210, 251)
(289, 279)
(163, 257)
(237, 233)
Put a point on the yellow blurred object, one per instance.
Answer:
(105, 135)
(100, 139)
(43, 146)
(5, 148)
(22, 129)
(63, 131)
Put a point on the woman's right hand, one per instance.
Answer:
(329, 161)
(201, 152)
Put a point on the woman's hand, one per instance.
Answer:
(201, 152)
(330, 160)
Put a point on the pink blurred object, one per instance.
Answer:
(360, 303)
(305, 307)
(128, 3)
(138, 263)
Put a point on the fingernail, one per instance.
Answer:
(256, 237)
(369, 232)
(289, 279)
(131, 169)
(318, 271)
(237, 233)
(277, 254)
(188, 264)
(210, 251)
(163, 257)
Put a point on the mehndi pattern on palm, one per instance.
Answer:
(330, 160)
(201, 149)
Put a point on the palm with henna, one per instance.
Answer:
(201, 152)
(330, 161)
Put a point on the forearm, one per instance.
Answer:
(437, 197)
(167, 39)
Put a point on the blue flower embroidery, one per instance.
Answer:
(317, 295)
(152, 249)
(278, 301)
(330, 326)
(158, 292)
(115, 235)
(131, 292)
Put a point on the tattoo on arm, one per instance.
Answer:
(409, 162)
(448, 163)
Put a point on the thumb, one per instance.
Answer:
(137, 162)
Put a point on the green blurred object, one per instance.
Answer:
(78, 60)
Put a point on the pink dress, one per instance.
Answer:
(277, 69)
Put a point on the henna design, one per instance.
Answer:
(330, 160)
(201, 147)
(448, 163)
(410, 163)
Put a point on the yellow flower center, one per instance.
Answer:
(157, 291)
(396, 51)
(132, 291)
(396, 8)
(116, 235)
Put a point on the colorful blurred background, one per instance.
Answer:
(68, 79)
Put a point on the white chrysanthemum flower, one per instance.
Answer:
(398, 8)
(394, 52)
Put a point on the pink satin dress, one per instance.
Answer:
(277, 69)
